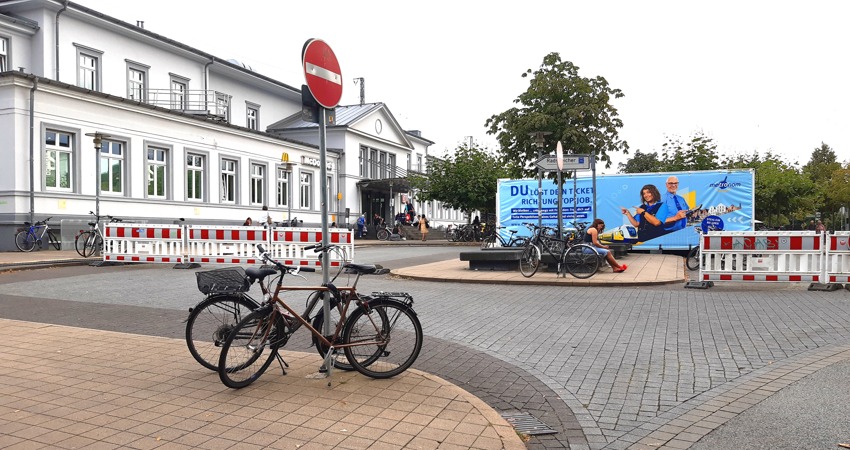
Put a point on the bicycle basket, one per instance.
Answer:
(227, 280)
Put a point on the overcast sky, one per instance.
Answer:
(752, 75)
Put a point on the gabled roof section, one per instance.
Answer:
(347, 117)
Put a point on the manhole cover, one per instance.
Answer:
(527, 424)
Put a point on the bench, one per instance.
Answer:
(493, 259)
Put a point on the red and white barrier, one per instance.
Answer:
(224, 245)
(287, 245)
(838, 257)
(143, 243)
(763, 256)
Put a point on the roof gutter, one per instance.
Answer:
(56, 36)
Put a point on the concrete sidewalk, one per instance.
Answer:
(67, 387)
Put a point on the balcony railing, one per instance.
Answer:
(201, 102)
(376, 170)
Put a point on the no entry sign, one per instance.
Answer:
(322, 73)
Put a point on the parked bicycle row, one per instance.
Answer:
(86, 242)
(379, 335)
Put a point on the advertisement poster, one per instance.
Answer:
(718, 200)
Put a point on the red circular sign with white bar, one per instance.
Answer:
(322, 73)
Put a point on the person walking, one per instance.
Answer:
(820, 228)
(361, 225)
(423, 227)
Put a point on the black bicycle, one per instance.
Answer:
(227, 302)
(570, 253)
(512, 241)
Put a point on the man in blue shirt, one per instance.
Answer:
(677, 207)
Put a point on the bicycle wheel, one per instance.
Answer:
(56, 243)
(383, 234)
(391, 335)
(529, 261)
(581, 261)
(489, 242)
(249, 348)
(210, 322)
(24, 241)
(80, 242)
(693, 259)
(93, 244)
(340, 361)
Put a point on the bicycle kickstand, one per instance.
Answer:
(283, 364)
(329, 365)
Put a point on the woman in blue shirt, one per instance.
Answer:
(647, 219)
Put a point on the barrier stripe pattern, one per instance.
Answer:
(143, 243)
(838, 257)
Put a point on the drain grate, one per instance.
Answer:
(527, 424)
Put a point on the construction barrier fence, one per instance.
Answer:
(775, 256)
(220, 244)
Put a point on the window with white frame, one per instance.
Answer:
(282, 187)
(137, 81)
(228, 181)
(306, 190)
(391, 166)
(58, 160)
(89, 68)
(419, 163)
(364, 153)
(222, 106)
(373, 164)
(4, 54)
(112, 167)
(157, 161)
(179, 93)
(383, 165)
(258, 183)
(194, 177)
(252, 119)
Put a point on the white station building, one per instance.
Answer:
(182, 134)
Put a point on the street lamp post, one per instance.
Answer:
(540, 142)
(98, 138)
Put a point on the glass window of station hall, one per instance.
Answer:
(4, 54)
(258, 183)
(194, 177)
(112, 167)
(306, 190)
(282, 187)
(228, 181)
(58, 160)
(157, 164)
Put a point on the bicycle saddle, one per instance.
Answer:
(362, 268)
(255, 273)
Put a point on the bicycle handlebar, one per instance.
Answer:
(292, 270)
(319, 247)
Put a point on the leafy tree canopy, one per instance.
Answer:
(465, 181)
(574, 109)
(822, 164)
(640, 163)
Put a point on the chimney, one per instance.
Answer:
(140, 23)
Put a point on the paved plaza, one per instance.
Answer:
(639, 366)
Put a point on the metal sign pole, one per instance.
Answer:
(560, 204)
(323, 171)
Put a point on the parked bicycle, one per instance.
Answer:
(32, 236)
(570, 253)
(88, 242)
(227, 302)
(381, 337)
(512, 241)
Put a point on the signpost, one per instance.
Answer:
(324, 80)
(560, 163)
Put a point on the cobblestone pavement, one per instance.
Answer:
(606, 367)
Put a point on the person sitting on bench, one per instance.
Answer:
(592, 238)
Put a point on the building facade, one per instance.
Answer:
(182, 134)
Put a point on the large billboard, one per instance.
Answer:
(665, 208)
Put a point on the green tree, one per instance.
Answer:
(465, 181)
(640, 163)
(822, 164)
(783, 194)
(837, 194)
(700, 153)
(574, 109)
